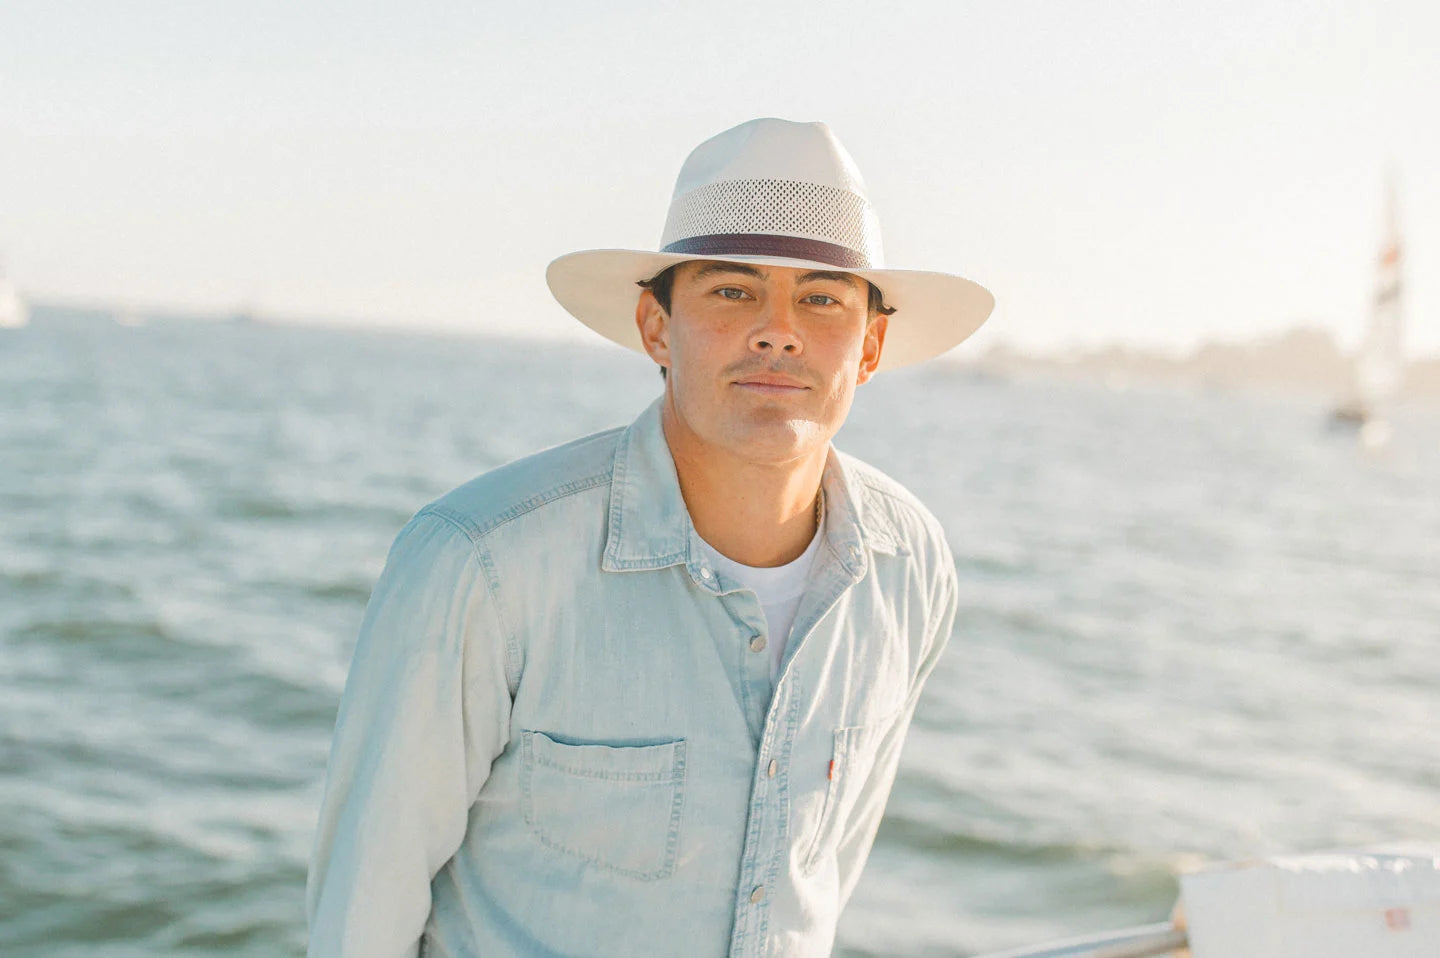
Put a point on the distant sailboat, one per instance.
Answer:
(1379, 365)
(13, 311)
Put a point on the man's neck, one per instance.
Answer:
(758, 514)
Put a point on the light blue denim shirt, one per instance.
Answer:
(559, 734)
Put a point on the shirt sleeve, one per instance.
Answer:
(859, 834)
(424, 712)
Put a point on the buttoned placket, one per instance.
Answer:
(744, 649)
(762, 859)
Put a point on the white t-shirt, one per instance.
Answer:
(778, 588)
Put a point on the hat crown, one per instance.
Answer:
(779, 179)
(772, 149)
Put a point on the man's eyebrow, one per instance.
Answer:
(719, 267)
(848, 278)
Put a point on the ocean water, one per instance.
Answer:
(1193, 627)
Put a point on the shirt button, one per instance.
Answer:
(772, 768)
(757, 644)
(757, 894)
(704, 573)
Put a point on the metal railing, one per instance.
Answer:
(1146, 941)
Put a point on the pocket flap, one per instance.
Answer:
(661, 762)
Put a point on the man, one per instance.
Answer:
(644, 694)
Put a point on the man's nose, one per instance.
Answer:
(777, 331)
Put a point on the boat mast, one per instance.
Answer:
(1380, 364)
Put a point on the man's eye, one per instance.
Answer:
(820, 299)
(730, 292)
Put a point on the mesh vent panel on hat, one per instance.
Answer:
(778, 207)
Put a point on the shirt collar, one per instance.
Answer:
(649, 526)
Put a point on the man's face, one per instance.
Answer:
(762, 361)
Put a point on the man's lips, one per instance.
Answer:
(771, 383)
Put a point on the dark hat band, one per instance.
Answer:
(767, 244)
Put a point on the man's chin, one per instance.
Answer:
(778, 441)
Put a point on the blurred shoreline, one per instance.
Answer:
(1304, 359)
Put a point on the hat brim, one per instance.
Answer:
(933, 311)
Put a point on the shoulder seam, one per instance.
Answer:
(479, 530)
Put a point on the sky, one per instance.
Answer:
(1142, 173)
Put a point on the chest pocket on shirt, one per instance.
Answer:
(616, 807)
(852, 761)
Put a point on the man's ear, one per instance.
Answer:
(654, 327)
(874, 342)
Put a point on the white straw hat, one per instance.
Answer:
(780, 193)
